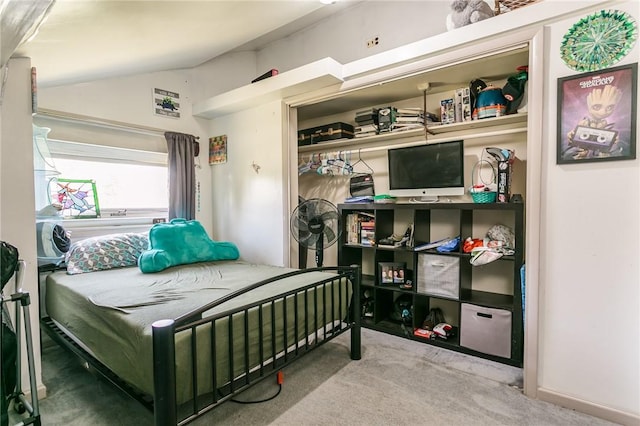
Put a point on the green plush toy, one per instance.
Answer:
(181, 242)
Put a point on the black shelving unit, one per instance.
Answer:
(486, 300)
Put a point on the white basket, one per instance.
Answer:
(439, 275)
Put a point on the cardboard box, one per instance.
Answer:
(447, 111)
(504, 181)
(462, 104)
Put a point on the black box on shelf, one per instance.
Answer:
(326, 132)
(386, 119)
(504, 181)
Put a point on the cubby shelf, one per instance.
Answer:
(468, 289)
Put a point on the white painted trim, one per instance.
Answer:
(291, 149)
(62, 148)
(589, 408)
(67, 117)
(313, 76)
(535, 93)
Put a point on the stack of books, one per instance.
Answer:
(368, 233)
(374, 121)
(408, 119)
(361, 227)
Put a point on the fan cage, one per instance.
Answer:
(332, 225)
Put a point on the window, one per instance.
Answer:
(131, 180)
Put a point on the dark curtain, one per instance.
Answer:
(182, 175)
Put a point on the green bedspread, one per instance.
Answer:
(111, 313)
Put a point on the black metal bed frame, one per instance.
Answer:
(164, 403)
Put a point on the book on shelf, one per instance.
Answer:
(367, 128)
(405, 127)
(409, 111)
(402, 119)
(368, 232)
(432, 244)
(354, 226)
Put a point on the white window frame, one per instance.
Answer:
(78, 150)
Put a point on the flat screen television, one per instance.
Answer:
(425, 172)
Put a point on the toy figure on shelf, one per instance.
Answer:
(465, 12)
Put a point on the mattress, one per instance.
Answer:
(111, 313)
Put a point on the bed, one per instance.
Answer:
(188, 338)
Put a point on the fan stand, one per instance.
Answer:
(316, 226)
(319, 251)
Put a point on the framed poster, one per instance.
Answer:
(77, 198)
(218, 149)
(597, 116)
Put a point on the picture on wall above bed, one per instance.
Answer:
(76, 198)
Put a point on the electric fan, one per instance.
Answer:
(315, 224)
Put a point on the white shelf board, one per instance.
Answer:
(479, 124)
(515, 123)
(316, 75)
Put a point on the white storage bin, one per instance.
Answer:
(439, 275)
(486, 330)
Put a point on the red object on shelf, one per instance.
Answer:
(424, 333)
(267, 74)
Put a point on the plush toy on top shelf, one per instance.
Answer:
(465, 12)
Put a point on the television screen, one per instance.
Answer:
(427, 170)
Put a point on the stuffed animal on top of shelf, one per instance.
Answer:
(465, 12)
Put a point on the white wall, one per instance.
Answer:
(589, 273)
(223, 74)
(248, 190)
(129, 100)
(17, 202)
(344, 36)
(589, 299)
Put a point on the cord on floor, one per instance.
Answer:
(279, 379)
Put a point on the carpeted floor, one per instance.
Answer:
(397, 382)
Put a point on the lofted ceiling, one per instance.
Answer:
(84, 40)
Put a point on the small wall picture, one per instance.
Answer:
(218, 149)
(392, 273)
(75, 198)
(166, 103)
(597, 116)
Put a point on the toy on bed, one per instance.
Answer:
(465, 12)
(181, 242)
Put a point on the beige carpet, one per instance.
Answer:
(397, 382)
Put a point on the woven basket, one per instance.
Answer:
(482, 196)
(503, 6)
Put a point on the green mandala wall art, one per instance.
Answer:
(599, 40)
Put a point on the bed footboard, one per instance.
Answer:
(232, 350)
